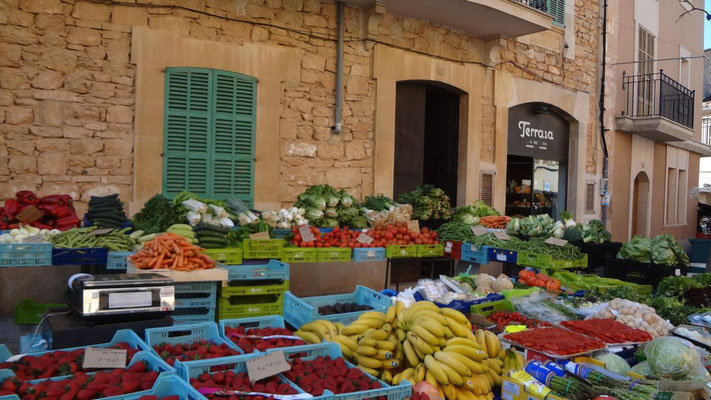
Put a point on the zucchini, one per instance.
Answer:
(146, 238)
(203, 226)
(135, 235)
(222, 243)
(181, 227)
(202, 234)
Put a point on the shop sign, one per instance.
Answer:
(537, 131)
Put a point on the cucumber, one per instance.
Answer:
(135, 235)
(205, 234)
(205, 241)
(182, 227)
(146, 238)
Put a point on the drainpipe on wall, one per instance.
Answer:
(602, 115)
(338, 123)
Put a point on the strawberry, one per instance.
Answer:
(130, 386)
(86, 394)
(148, 397)
(138, 367)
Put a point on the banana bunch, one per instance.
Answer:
(419, 343)
(513, 361)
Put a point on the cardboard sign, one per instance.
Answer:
(97, 357)
(479, 230)
(365, 239)
(556, 241)
(266, 366)
(99, 232)
(306, 235)
(502, 235)
(29, 215)
(413, 225)
(260, 235)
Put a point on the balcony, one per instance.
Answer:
(482, 18)
(657, 107)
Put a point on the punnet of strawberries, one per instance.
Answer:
(230, 380)
(608, 330)
(56, 363)
(555, 340)
(324, 373)
(250, 345)
(82, 386)
(197, 350)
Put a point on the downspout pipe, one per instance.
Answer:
(602, 107)
(338, 123)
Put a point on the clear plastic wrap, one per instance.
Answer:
(673, 358)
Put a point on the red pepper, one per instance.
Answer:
(63, 212)
(13, 226)
(40, 225)
(26, 197)
(11, 207)
(53, 199)
(66, 199)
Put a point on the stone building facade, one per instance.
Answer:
(81, 91)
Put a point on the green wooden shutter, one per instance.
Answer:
(235, 104)
(556, 8)
(187, 131)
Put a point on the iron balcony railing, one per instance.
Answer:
(556, 8)
(657, 94)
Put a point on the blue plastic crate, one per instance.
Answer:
(25, 254)
(195, 287)
(272, 270)
(502, 255)
(194, 369)
(169, 385)
(83, 256)
(182, 320)
(187, 333)
(472, 253)
(117, 260)
(271, 321)
(209, 301)
(369, 254)
(333, 350)
(461, 305)
(298, 311)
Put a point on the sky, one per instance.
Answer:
(707, 28)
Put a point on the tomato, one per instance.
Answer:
(402, 231)
(424, 229)
(388, 235)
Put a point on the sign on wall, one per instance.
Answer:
(535, 130)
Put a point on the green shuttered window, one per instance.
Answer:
(209, 131)
(556, 8)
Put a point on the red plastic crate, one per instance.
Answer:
(453, 249)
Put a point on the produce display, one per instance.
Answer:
(484, 283)
(25, 232)
(211, 236)
(83, 386)
(383, 236)
(211, 212)
(498, 222)
(261, 339)
(117, 240)
(106, 211)
(662, 250)
(57, 211)
(556, 341)
(456, 230)
(530, 278)
(428, 202)
(197, 350)
(183, 230)
(156, 216)
(505, 318)
(327, 207)
(423, 344)
(381, 210)
(608, 330)
(342, 308)
(471, 215)
(539, 305)
(325, 373)
(171, 251)
(532, 226)
(635, 315)
(285, 219)
(220, 386)
(56, 363)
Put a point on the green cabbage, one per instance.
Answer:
(672, 357)
(614, 363)
(313, 214)
(637, 249)
(347, 199)
(331, 212)
(643, 369)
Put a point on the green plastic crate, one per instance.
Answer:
(430, 250)
(252, 306)
(527, 259)
(30, 312)
(401, 251)
(227, 256)
(262, 248)
(489, 308)
(546, 261)
(251, 289)
(298, 254)
(334, 254)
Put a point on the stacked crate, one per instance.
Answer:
(253, 290)
(194, 302)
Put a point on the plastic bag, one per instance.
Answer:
(532, 307)
(672, 358)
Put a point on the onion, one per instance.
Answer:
(425, 387)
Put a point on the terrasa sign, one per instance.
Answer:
(536, 131)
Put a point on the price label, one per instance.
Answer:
(98, 232)
(501, 257)
(365, 239)
(306, 235)
(413, 225)
(502, 235)
(29, 215)
(266, 366)
(97, 357)
(479, 230)
(260, 235)
(556, 241)
(34, 239)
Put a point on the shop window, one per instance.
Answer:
(209, 132)
(590, 198)
(487, 189)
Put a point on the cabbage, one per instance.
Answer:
(331, 212)
(346, 199)
(614, 363)
(313, 214)
(672, 357)
(643, 369)
(514, 226)
(637, 249)
(329, 223)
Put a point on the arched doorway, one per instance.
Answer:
(640, 203)
(426, 137)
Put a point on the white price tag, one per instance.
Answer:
(97, 357)
(260, 235)
(501, 257)
(413, 225)
(502, 235)
(556, 241)
(479, 230)
(306, 235)
(266, 366)
(365, 239)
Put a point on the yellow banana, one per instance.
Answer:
(386, 376)
(355, 329)
(387, 328)
(399, 354)
(308, 336)
(377, 334)
(330, 326)
(367, 341)
(455, 315)
(453, 376)
(365, 369)
(481, 339)
(420, 371)
(436, 369)
(345, 350)
(447, 332)
(452, 362)
(420, 355)
(474, 354)
(419, 344)
(464, 394)
(496, 378)
(385, 345)
(366, 351)
(463, 341)
(408, 373)
(383, 355)
(373, 315)
(494, 364)
(390, 364)
(391, 314)
(457, 329)
(492, 344)
(474, 367)
(430, 378)
(450, 393)
(424, 334)
(410, 354)
(430, 324)
(318, 329)
(440, 390)
(369, 362)
(397, 378)
(429, 314)
(370, 322)
(401, 334)
(339, 327)
(345, 340)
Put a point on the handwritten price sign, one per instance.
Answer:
(96, 357)
(266, 366)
